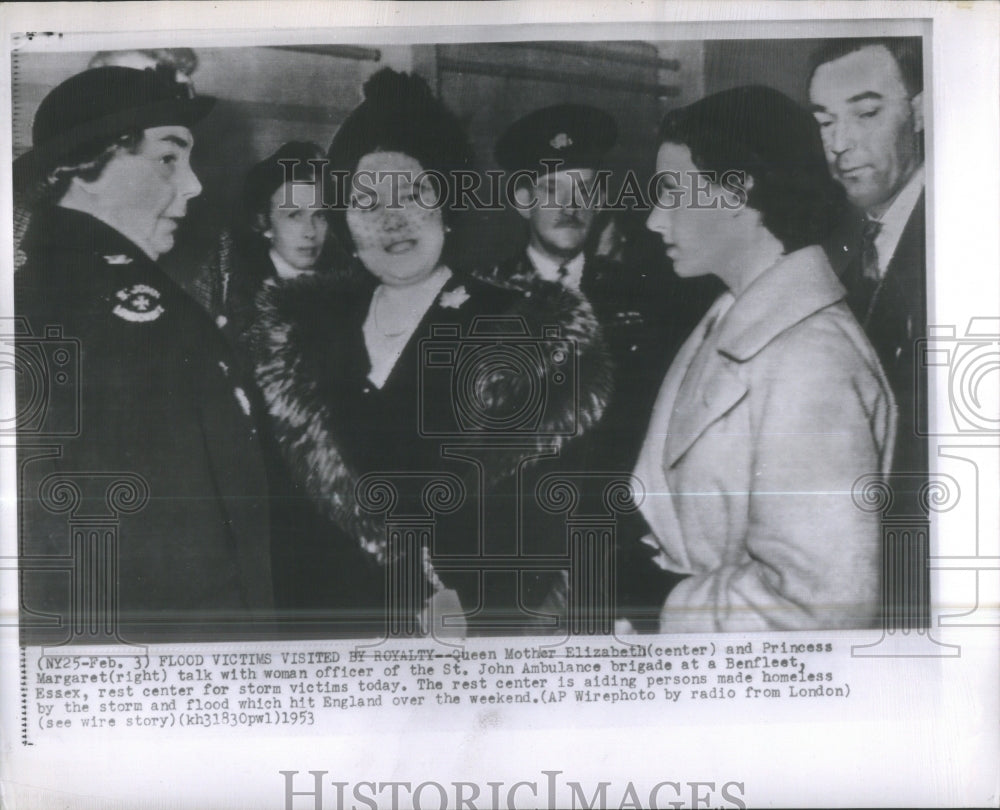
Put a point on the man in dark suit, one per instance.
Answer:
(159, 400)
(867, 96)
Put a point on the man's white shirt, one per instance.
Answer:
(548, 268)
(895, 218)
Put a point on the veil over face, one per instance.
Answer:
(395, 222)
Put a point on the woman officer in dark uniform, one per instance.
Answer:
(153, 427)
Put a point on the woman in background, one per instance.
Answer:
(354, 388)
(283, 229)
(776, 405)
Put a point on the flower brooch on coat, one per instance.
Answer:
(454, 298)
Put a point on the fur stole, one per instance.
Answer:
(294, 327)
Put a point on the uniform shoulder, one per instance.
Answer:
(95, 277)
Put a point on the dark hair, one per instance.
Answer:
(86, 161)
(906, 51)
(399, 114)
(762, 133)
(291, 162)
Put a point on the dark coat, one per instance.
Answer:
(894, 317)
(249, 267)
(324, 584)
(159, 397)
(335, 427)
(897, 322)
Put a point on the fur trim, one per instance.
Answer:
(299, 416)
(285, 330)
(551, 308)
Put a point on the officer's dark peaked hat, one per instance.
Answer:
(576, 135)
(104, 102)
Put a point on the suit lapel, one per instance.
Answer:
(904, 299)
(911, 245)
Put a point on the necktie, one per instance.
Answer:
(563, 273)
(863, 281)
(869, 253)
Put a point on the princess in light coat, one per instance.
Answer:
(776, 405)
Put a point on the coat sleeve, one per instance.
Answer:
(820, 417)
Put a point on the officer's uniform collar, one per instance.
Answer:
(60, 229)
(75, 255)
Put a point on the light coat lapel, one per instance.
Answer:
(756, 318)
(723, 390)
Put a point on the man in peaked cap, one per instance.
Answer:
(156, 403)
(555, 155)
(557, 152)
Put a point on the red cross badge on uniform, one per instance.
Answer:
(139, 303)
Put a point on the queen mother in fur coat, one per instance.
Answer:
(386, 410)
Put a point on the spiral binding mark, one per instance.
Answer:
(24, 699)
(21, 133)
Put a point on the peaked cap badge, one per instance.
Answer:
(561, 141)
